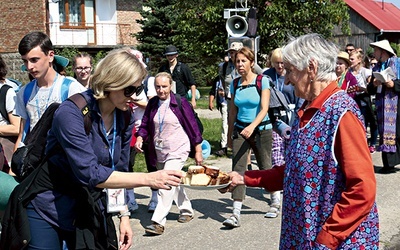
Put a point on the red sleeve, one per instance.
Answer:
(351, 150)
(271, 179)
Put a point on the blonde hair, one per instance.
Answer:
(164, 74)
(275, 56)
(118, 70)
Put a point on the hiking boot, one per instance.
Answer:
(154, 229)
(232, 222)
(221, 152)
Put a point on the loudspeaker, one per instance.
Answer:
(236, 26)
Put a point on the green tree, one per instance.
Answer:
(158, 30)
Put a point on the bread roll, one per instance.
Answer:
(200, 180)
(196, 170)
(212, 171)
(185, 178)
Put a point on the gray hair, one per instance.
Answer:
(300, 51)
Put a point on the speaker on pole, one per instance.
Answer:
(236, 26)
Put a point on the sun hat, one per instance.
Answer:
(345, 56)
(59, 61)
(385, 45)
(170, 50)
(235, 46)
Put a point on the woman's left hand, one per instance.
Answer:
(247, 132)
(126, 234)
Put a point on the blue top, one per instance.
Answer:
(85, 159)
(248, 101)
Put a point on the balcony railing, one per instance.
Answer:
(91, 34)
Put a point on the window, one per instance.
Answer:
(72, 12)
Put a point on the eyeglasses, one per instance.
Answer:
(80, 69)
(128, 91)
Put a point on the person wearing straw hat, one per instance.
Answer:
(387, 105)
(346, 80)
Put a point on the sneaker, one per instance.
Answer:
(232, 222)
(372, 149)
(152, 206)
(221, 152)
(273, 211)
(387, 170)
(154, 229)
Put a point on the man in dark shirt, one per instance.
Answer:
(181, 74)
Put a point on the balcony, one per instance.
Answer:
(91, 34)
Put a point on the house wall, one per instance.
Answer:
(17, 18)
(362, 33)
(127, 15)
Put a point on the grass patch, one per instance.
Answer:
(212, 133)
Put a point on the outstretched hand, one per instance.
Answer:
(236, 179)
(165, 179)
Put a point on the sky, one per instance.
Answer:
(395, 2)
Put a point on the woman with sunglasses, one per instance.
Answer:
(172, 132)
(87, 174)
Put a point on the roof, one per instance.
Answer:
(386, 18)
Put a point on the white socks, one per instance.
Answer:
(237, 207)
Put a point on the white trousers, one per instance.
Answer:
(166, 197)
(224, 134)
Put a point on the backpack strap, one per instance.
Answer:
(80, 101)
(3, 94)
(65, 88)
(235, 84)
(27, 93)
(259, 83)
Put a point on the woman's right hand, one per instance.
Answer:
(139, 144)
(164, 179)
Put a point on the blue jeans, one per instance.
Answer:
(46, 236)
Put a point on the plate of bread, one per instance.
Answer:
(204, 178)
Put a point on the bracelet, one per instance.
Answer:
(127, 213)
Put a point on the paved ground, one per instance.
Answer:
(207, 232)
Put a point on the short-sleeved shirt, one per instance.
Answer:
(41, 98)
(248, 101)
(10, 104)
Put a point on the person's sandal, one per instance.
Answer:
(185, 218)
(273, 211)
(232, 222)
(154, 229)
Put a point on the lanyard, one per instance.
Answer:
(159, 116)
(111, 149)
(48, 98)
(278, 84)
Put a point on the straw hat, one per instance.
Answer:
(385, 45)
(345, 56)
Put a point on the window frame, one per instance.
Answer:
(67, 24)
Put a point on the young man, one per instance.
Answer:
(47, 87)
(181, 74)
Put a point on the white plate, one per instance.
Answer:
(210, 187)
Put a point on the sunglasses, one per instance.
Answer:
(130, 90)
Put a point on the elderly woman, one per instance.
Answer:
(345, 79)
(249, 124)
(328, 181)
(69, 203)
(169, 124)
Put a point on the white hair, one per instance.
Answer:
(301, 50)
